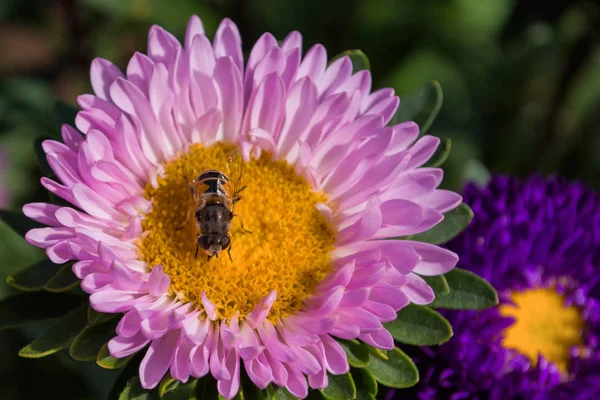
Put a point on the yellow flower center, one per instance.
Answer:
(288, 250)
(544, 325)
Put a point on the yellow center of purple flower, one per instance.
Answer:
(544, 325)
(288, 250)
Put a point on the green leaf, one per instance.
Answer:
(166, 384)
(357, 353)
(41, 155)
(18, 221)
(25, 308)
(34, 277)
(126, 374)
(476, 172)
(397, 372)
(58, 335)
(105, 360)
(64, 113)
(87, 344)
(366, 385)
(283, 394)
(467, 292)
(183, 391)
(438, 283)
(95, 317)
(340, 387)
(419, 326)
(421, 106)
(358, 58)
(454, 222)
(441, 154)
(134, 391)
(63, 280)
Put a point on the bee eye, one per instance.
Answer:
(204, 242)
(225, 241)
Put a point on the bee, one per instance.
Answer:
(214, 196)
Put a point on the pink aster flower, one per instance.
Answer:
(282, 111)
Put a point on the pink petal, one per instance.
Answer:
(113, 301)
(102, 75)
(194, 27)
(129, 325)
(157, 360)
(259, 371)
(262, 309)
(228, 388)
(434, 259)
(120, 347)
(335, 356)
(228, 42)
(180, 366)
(228, 79)
(417, 290)
(159, 281)
(296, 382)
(381, 339)
(422, 150)
(42, 213)
(162, 45)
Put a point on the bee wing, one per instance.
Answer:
(235, 173)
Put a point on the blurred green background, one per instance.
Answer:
(521, 82)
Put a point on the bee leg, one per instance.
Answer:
(239, 191)
(244, 229)
(229, 253)
(197, 248)
(208, 258)
(236, 199)
(186, 219)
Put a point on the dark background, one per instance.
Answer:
(521, 82)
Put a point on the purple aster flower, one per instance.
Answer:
(538, 243)
(325, 178)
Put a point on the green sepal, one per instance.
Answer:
(34, 277)
(358, 58)
(87, 344)
(25, 308)
(63, 280)
(357, 352)
(441, 154)
(18, 221)
(106, 361)
(166, 384)
(134, 391)
(455, 221)
(421, 106)
(182, 391)
(438, 284)
(366, 385)
(340, 387)
(95, 317)
(398, 371)
(282, 394)
(58, 336)
(419, 326)
(467, 292)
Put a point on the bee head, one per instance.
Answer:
(214, 244)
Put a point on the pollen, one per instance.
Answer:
(284, 244)
(544, 325)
